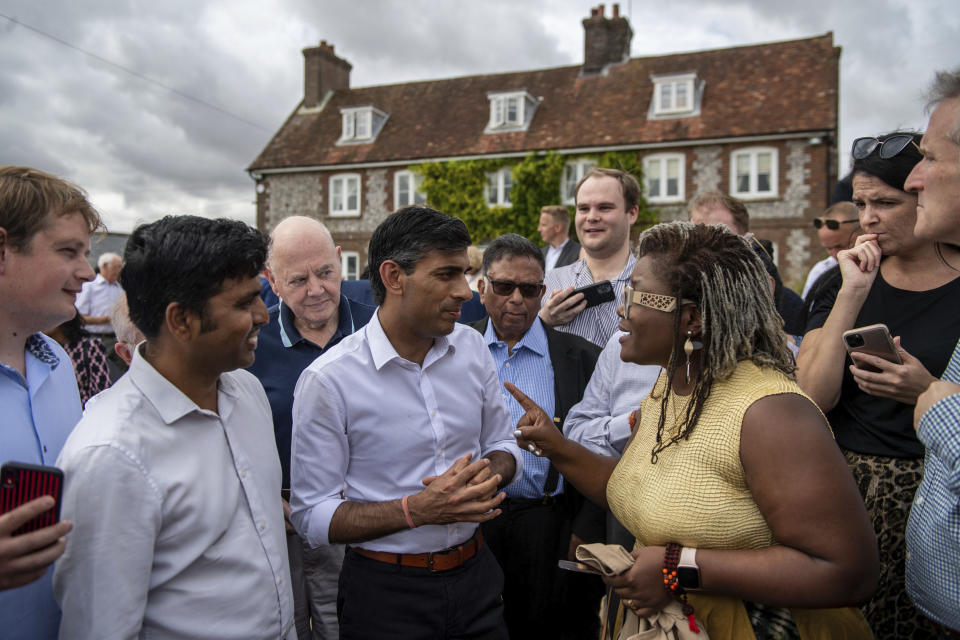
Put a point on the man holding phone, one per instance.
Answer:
(607, 206)
(45, 227)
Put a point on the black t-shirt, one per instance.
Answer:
(928, 323)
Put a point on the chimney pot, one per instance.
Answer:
(323, 72)
(600, 10)
(593, 12)
(616, 10)
(606, 40)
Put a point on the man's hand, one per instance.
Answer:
(286, 517)
(452, 497)
(937, 391)
(26, 557)
(900, 382)
(561, 307)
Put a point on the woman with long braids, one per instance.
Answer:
(741, 502)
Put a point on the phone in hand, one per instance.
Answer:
(596, 293)
(874, 340)
(579, 567)
(21, 482)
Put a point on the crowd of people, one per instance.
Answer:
(417, 456)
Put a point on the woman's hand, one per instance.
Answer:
(535, 432)
(900, 382)
(860, 264)
(641, 586)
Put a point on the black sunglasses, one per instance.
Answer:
(833, 225)
(527, 289)
(863, 147)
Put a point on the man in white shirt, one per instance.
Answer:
(554, 228)
(606, 208)
(401, 441)
(837, 229)
(172, 476)
(94, 303)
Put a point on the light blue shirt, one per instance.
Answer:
(369, 426)
(179, 529)
(39, 412)
(530, 369)
(598, 323)
(933, 530)
(600, 421)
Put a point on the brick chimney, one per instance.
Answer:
(323, 72)
(606, 41)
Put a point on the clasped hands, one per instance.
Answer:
(466, 492)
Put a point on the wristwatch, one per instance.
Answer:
(688, 573)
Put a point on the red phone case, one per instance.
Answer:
(21, 482)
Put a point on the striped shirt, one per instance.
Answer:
(598, 323)
(933, 531)
(530, 369)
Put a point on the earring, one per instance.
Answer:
(689, 347)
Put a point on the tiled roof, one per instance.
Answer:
(775, 88)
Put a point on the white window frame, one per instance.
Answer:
(661, 161)
(568, 184)
(360, 125)
(752, 192)
(503, 182)
(667, 87)
(510, 111)
(345, 271)
(343, 179)
(415, 195)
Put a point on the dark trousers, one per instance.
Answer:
(540, 599)
(379, 600)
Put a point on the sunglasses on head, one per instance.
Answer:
(656, 301)
(892, 146)
(833, 225)
(506, 287)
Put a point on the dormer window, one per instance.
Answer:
(510, 111)
(360, 124)
(676, 95)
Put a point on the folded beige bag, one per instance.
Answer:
(668, 624)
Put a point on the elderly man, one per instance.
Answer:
(400, 441)
(128, 336)
(303, 268)
(45, 227)
(554, 228)
(933, 531)
(607, 205)
(534, 531)
(94, 304)
(174, 480)
(837, 229)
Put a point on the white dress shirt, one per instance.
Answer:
(96, 298)
(178, 524)
(368, 426)
(553, 254)
(816, 271)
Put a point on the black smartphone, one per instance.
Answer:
(21, 482)
(874, 340)
(596, 293)
(579, 567)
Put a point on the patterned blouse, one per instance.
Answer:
(90, 363)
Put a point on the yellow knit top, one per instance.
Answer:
(696, 494)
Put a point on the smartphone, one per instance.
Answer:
(579, 567)
(21, 482)
(596, 293)
(874, 340)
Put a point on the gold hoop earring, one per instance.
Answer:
(689, 347)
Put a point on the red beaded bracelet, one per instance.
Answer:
(671, 557)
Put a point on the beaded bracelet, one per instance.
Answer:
(671, 558)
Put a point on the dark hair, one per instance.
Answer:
(512, 245)
(722, 274)
(29, 198)
(73, 329)
(893, 171)
(406, 236)
(629, 187)
(185, 259)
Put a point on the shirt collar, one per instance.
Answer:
(289, 335)
(39, 349)
(383, 350)
(581, 265)
(535, 339)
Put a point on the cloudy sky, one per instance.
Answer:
(158, 107)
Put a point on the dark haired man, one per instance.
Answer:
(542, 517)
(607, 205)
(45, 227)
(554, 228)
(173, 475)
(400, 441)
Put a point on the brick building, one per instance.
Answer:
(759, 122)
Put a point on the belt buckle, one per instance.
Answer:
(430, 562)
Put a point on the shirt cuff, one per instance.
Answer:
(313, 524)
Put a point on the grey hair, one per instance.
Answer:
(106, 258)
(512, 245)
(123, 327)
(946, 86)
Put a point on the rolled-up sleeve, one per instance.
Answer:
(320, 453)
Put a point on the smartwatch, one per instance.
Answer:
(688, 573)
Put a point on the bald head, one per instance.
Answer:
(303, 267)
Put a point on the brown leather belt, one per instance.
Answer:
(435, 561)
